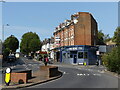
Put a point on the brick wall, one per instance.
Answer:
(15, 77)
(82, 33)
(83, 30)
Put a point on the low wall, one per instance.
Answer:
(51, 71)
(21, 76)
(28, 72)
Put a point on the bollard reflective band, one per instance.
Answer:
(7, 77)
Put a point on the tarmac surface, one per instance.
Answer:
(82, 77)
(74, 76)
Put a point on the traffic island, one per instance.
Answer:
(45, 74)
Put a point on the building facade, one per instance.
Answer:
(48, 46)
(80, 31)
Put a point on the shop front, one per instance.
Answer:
(77, 54)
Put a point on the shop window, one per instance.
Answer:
(68, 55)
(71, 56)
(64, 55)
(80, 54)
(85, 55)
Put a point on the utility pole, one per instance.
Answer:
(3, 27)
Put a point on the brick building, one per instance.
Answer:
(79, 32)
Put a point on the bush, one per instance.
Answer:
(112, 60)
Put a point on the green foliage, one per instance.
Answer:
(107, 38)
(116, 37)
(30, 42)
(102, 38)
(6, 52)
(11, 43)
(112, 59)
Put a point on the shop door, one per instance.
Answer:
(74, 58)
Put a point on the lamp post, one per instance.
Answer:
(3, 27)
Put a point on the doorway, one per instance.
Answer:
(58, 56)
(74, 58)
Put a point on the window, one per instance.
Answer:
(80, 54)
(85, 55)
(68, 55)
(64, 55)
(71, 56)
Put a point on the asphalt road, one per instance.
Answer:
(23, 64)
(77, 77)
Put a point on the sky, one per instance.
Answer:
(43, 17)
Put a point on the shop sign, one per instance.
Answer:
(80, 48)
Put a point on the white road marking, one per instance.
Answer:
(97, 74)
(80, 74)
(83, 74)
(64, 72)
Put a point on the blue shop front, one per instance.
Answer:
(77, 54)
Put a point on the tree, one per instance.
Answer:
(11, 43)
(30, 42)
(106, 38)
(102, 38)
(116, 37)
(112, 59)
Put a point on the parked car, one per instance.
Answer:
(11, 58)
(29, 57)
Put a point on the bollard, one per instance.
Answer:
(84, 63)
(8, 76)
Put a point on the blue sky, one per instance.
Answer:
(42, 18)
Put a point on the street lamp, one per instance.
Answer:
(3, 27)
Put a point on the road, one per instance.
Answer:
(74, 76)
(81, 77)
(23, 64)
